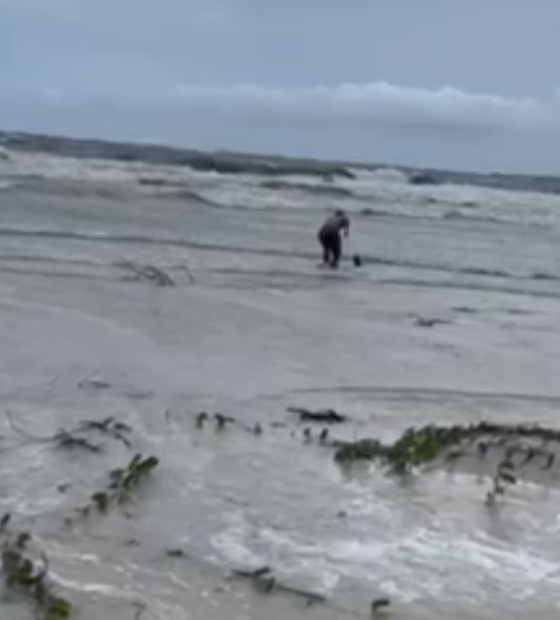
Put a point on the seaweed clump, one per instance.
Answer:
(418, 447)
(504, 477)
(122, 484)
(28, 578)
(414, 448)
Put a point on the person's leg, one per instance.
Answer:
(336, 250)
(326, 253)
(324, 241)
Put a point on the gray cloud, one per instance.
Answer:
(362, 79)
(377, 104)
(363, 105)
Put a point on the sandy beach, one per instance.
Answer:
(452, 319)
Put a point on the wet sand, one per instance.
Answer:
(261, 329)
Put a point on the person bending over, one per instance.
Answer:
(330, 237)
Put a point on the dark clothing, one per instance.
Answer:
(329, 238)
(332, 246)
(336, 223)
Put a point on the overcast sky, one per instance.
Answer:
(457, 83)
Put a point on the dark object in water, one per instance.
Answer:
(263, 578)
(266, 584)
(421, 322)
(254, 574)
(380, 604)
(109, 426)
(483, 448)
(329, 416)
(64, 439)
(175, 553)
(454, 455)
(549, 461)
(357, 260)
(155, 181)
(94, 384)
(201, 418)
(222, 420)
(423, 178)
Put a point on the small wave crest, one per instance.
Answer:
(318, 190)
(389, 175)
(189, 195)
(54, 233)
(64, 188)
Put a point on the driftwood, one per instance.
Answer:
(155, 274)
(64, 439)
(221, 421)
(263, 578)
(327, 416)
(423, 322)
(147, 272)
(72, 439)
(94, 384)
(253, 574)
(108, 426)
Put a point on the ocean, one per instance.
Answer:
(451, 319)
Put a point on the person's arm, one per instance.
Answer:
(346, 226)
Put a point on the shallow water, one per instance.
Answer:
(258, 330)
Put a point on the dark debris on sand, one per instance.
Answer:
(265, 581)
(148, 273)
(324, 416)
(75, 439)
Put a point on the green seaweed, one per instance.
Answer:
(502, 479)
(121, 485)
(419, 447)
(27, 578)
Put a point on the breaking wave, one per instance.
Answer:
(319, 190)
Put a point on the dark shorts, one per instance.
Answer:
(331, 243)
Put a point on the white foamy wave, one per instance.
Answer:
(418, 558)
(392, 193)
(417, 565)
(381, 192)
(104, 172)
(232, 543)
(387, 175)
